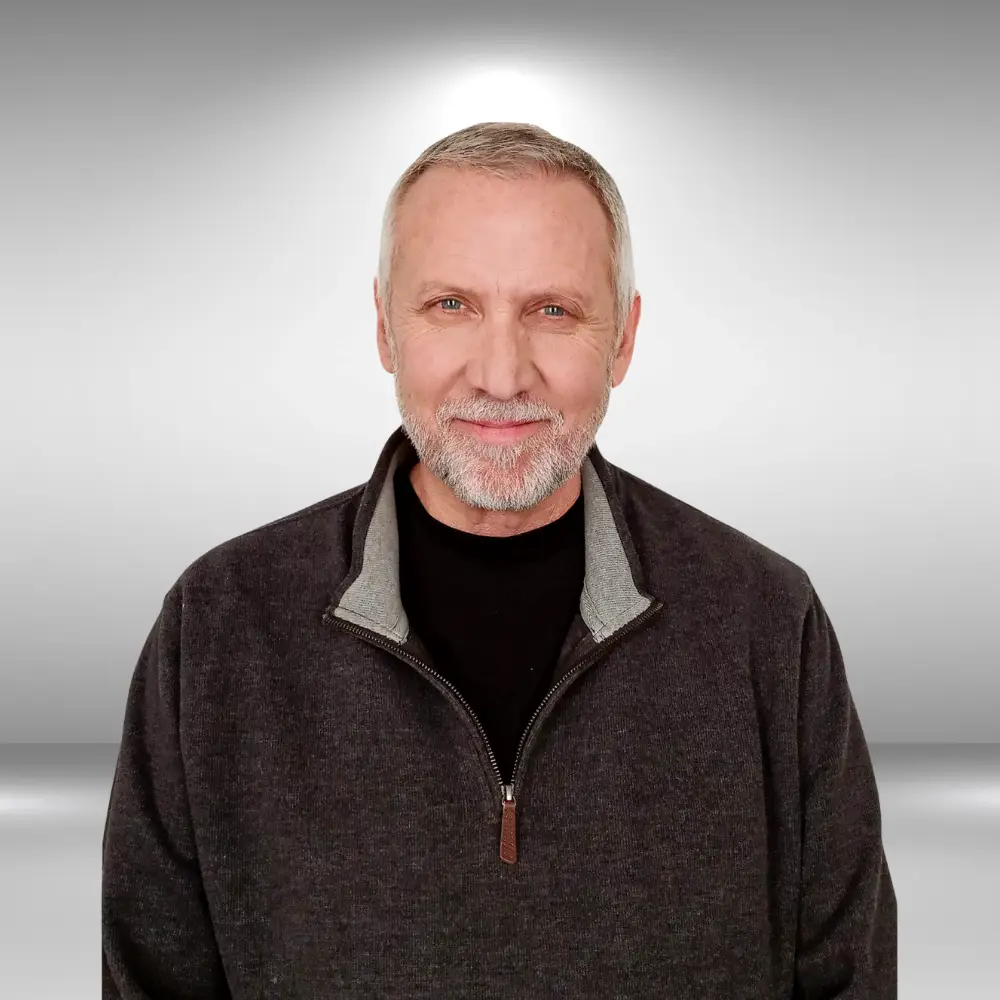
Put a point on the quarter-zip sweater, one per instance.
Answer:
(306, 806)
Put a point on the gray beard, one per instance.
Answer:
(502, 477)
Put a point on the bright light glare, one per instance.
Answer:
(51, 802)
(503, 93)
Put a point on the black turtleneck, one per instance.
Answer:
(492, 612)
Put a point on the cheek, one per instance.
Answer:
(575, 384)
(426, 377)
(431, 350)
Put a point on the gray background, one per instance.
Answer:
(191, 197)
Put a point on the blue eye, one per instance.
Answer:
(456, 305)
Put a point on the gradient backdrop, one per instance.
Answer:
(190, 199)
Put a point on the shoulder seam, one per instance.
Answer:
(184, 582)
(331, 502)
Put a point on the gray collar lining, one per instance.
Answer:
(609, 599)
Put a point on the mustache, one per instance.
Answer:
(495, 413)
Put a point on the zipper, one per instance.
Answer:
(508, 827)
(508, 824)
(377, 640)
(588, 661)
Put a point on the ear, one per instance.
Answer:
(385, 352)
(624, 356)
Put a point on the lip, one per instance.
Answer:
(506, 423)
(510, 430)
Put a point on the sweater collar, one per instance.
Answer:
(613, 588)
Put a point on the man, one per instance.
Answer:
(505, 720)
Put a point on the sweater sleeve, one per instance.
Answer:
(156, 931)
(846, 942)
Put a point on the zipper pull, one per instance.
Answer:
(508, 827)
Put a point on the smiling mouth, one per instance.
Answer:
(506, 423)
(505, 432)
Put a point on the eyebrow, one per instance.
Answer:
(568, 292)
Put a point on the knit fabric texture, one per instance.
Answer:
(305, 807)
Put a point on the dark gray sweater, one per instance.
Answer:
(304, 808)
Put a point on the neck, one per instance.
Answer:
(442, 504)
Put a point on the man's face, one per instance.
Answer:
(502, 309)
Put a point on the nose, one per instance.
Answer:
(501, 364)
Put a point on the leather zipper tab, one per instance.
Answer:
(508, 827)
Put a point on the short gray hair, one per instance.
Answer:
(513, 149)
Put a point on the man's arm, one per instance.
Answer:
(157, 938)
(846, 946)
